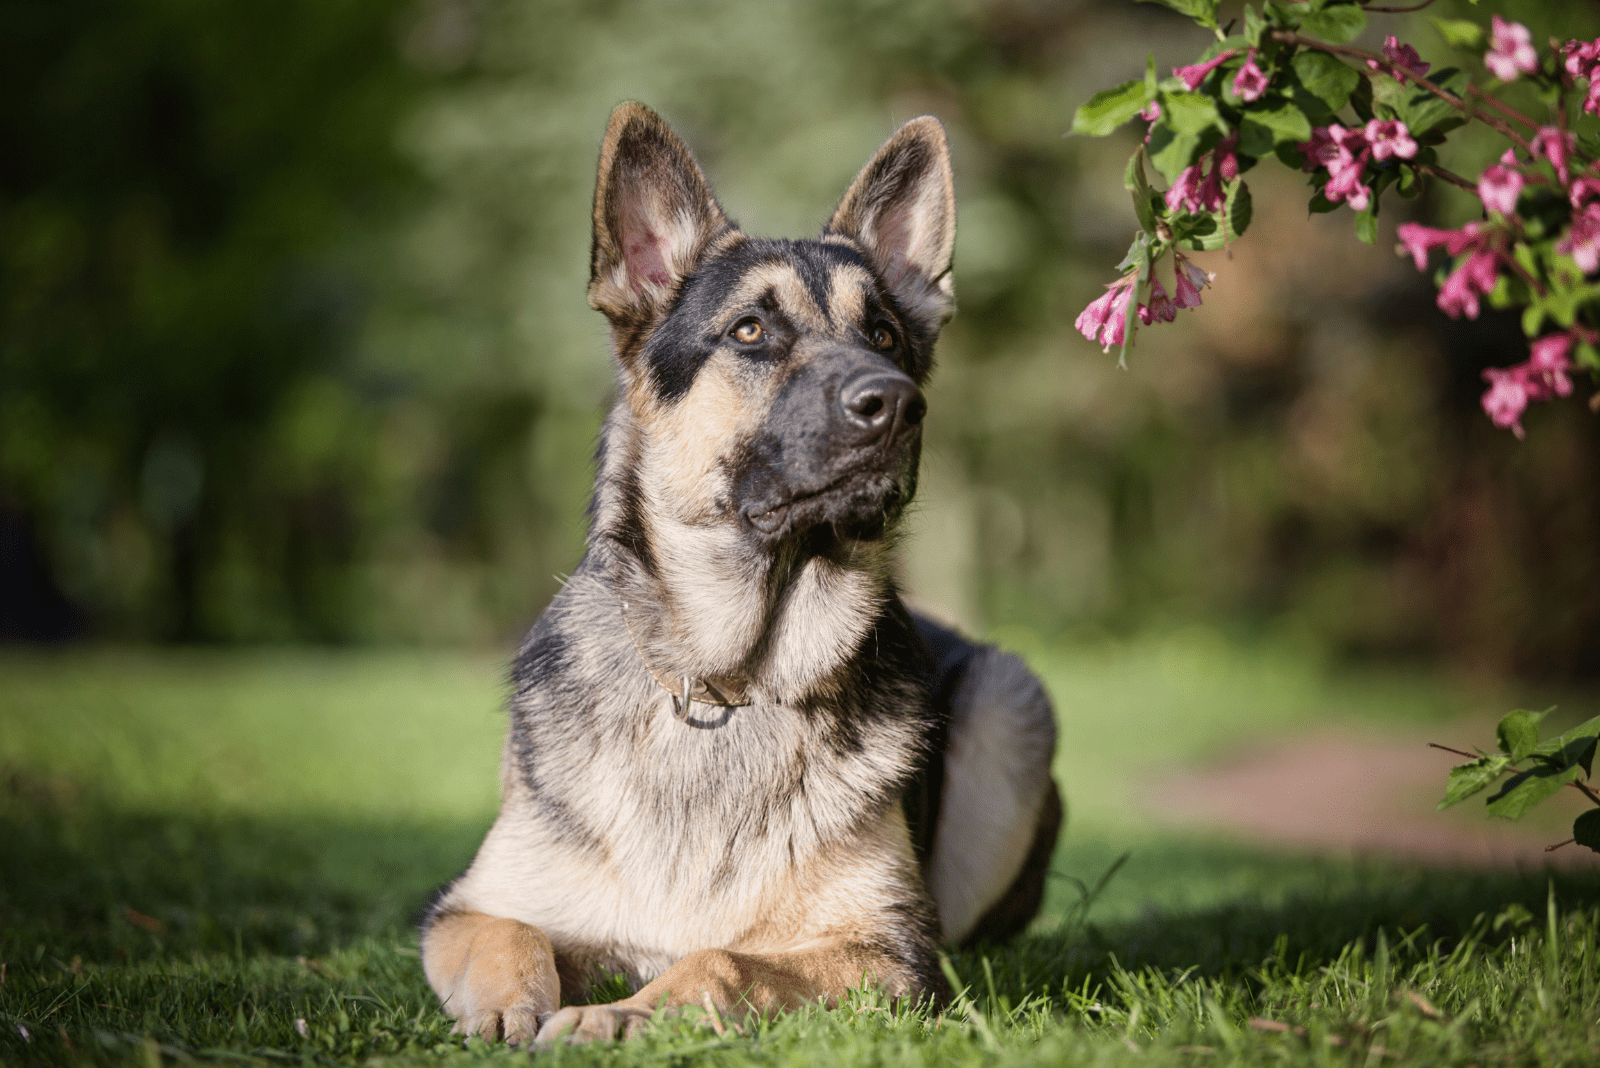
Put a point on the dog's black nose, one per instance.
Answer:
(879, 404)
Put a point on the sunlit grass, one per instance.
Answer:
(220, 855)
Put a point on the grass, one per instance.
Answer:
(218, 856)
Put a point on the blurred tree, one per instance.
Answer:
(185, 196)
(295, 346)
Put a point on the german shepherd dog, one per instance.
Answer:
(739, 771)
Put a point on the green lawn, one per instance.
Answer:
(219, 856)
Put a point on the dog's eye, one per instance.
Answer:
(748, 332)
(882, 337)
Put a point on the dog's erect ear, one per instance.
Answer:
(902, 209)
(654, 214)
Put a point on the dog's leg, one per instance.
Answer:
(497, 977)
(737, 983)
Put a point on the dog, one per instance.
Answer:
(739, 772)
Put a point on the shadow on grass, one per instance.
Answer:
(83, 878)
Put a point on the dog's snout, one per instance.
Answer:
(879, 404)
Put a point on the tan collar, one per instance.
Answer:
(721, 690)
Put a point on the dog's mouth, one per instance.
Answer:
(858, 505)
(771, 520)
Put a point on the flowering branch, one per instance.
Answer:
(1389, 67)
(1288, 86)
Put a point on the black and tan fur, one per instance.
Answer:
(886, 788)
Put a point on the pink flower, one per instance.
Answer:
(1555, 146)
(1591, 103)
(1184, 193)
(1582, 189)
(1193, 75)
(1346, 186)
(1190, 281)
(1582, 57)
(1506, 399)
(1104, 321)
(1321, 150)
(1543, 376)
(1582, 242)
(1160, 309)
(1345, 153)
(1419, 240)
(1200, 191)
(1511, 53)
(1459, 294)
(1390, 138)
(1499, 188)
(1251, 81)
(1548, 365)
(1151, 111)
(1401, 55)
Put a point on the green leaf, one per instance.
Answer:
(1367, 223)
(1587, 356)
(1336, 23)
(1172, 152)
(1285, 123)
(1135, 182)
(1574, 748)
(1361, 100)
(1468, 779)
(1110, 108)
(1526, 789)
(1204, 235)
(1253, 25)
(1518, 732)
(1459, 33)
(1325, 79)
(1586, 829)
(1410, 183)
(1422, 112)
(1532, 317)
(1202, 11)
(1138, 252)
(1152, 84)
(1562, 304)
(1189, 113)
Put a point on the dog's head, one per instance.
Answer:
(769, 386)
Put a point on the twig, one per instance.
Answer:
(1503, 108)
(1449, 176)
(1588, 792)
(1521, 272)
(1399, 10)
(1558, 845)
(1493, 121)
(1457, 752)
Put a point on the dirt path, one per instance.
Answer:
(1340, 791)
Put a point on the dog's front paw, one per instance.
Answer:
(515, 1024)
(588, 1023)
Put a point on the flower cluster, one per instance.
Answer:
(1105, 320)
(1200, 189)
(1537, 246)
(1474, 276)
(1345, 153)
(1583, 61)
(1544, 375)
(1402, 56)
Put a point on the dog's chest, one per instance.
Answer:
(666, 837)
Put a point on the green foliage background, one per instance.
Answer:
(293, 342)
